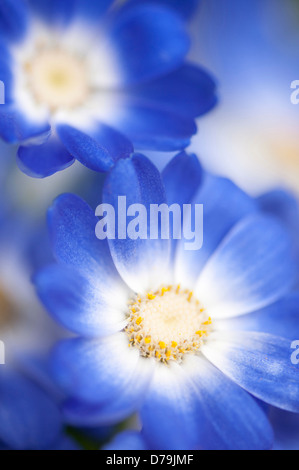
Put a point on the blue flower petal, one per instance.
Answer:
(252, 268)
(285, 207)
(116, 409)
(62, 12)
(181, 177)
(141, 262)
(184, 7)
(100, 372)
(286, 429)
(278, 319)
(149, 41)
(193, 406)
(224, 205)
(281, 204)
(127, 440)
(153, 128)
(189, 91)
(65, 443)
(232, 418)
(44, 160)
(28, 418)
(15, 127)
(72, 228)
(99, 149)
(85, 307)
(259, 363)
(13, 19)
(57, 12)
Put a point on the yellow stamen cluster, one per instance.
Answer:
(167, 324)
(57, 79)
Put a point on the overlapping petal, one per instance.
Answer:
(142, 262)
(149, 39)
(258, 362)
(28, 417)
(45, 159)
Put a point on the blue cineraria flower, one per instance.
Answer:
(162, 331)
(87, 80)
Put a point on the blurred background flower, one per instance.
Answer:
(89, 80)
(253, 50)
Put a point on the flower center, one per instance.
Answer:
(57, 79)
(167, 324)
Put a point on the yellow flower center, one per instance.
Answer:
(167, 324)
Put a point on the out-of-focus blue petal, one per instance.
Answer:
(182, 177)
(127, 440)
(65, 443)
(3, 446)
(99, 149)
(233, 419)
(72, 228)
(28, 418)
(189, 91)
(114, 410)
(57, 12)
(62, 12)
(260, 363)
(13, 19)
(149, 41)
(286, 429)
(169, 415)
(224, 205)
(44, 160)
(15, 127)
(278, 319)
(184, 7)
(100, 372)
(251, 269)
(89, 309)
(153, 128)
(281, 204)
(92, 10)
(141, 262)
